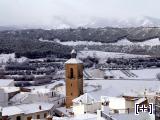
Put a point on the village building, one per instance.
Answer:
(27, 111)
(85, 104)
(96, 99)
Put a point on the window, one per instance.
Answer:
(18, 118)
(116, 111)
(38, 116)
(71, 73)
(45, 115)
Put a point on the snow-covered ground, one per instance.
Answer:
(147, 73)
(141, 74)
(115, 88)
(5, 57)
(125, 86)
(103, 56)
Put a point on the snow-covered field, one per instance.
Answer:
(141, 74)
(147, 73)
(5, 57)
(102, 56)
(126, 86)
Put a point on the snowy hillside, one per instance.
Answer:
(141, 74)
(151, 42)
(95, 22)
(75, 43)
(102, 56)
(6, 57)
(144, 21)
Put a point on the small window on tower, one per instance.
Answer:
(71, 73)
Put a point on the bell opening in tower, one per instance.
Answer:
(71, 73)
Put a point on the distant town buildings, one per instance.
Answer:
(112, 97)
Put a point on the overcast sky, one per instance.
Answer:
(72, 12)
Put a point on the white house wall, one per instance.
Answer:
(78, 109)
(92, 107)
(130, 105)
(117, 104)
(86, 108)
(3, 98)
(34, 116)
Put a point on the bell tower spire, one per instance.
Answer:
(74, 78)
(73, 53)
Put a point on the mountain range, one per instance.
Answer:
(125, 22)
(93, 22)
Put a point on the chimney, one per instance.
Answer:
(99, 114)
(49, 117)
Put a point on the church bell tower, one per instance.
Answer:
(74, 78)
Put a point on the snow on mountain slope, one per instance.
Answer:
(144, 21)
(6, 57)
(123, 42)
(74, 43)
(151, 42)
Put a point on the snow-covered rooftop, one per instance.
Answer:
(18, 98)
(79, 117)
(6, 82)
(109, 91)
(132, 116)
(139, 101)
(84, 99)
(73, 61)
(50, 86)
(34, 107)
(11, 110)
(10, 89)
(26, 108)
(41, 90)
